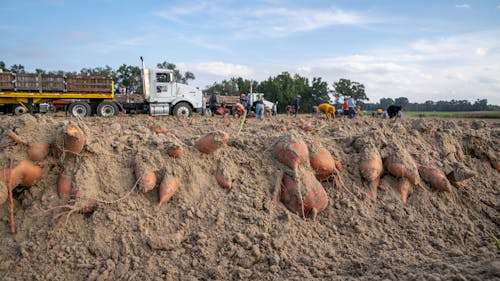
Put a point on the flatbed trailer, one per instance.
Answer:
(22, 93)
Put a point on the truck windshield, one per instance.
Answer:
(162, 78)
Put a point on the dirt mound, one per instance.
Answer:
(206, 231)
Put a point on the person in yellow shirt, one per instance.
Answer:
(328, 110)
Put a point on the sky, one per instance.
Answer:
(419, 49)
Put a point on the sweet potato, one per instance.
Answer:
(370, 165)
(211, 142)
(322, 163)
(291, 151)
(26, 173)
(168, 187)
(435, 178)
(222, 179)
(147, 179)
(38, 151)
(403, 167)
(174, 150)
(403, 188)
(73, 140)
(302, 193)
(64, 184)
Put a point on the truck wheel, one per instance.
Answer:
(79, 109)
(19, 110)
(107, 109)
(182, 109)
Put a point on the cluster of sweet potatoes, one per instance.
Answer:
(301, 190)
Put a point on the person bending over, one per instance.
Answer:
(328, 110)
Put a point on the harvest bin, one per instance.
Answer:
(6, 81)
(88, 84)
(53, 83)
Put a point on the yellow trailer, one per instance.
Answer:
(22, 93)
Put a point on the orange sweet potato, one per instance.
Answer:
(147, 179)
(291, 151)
(174, 150)
(303, 194)
(64, 184)
(370, 165)
(435, 178)
(370, 168)
(211, 142)
(222, 179)
(322, 163)
(74, 140)
(403, 168)
(168, 187)
(38, 151)
(26, 173)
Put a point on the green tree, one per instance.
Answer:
(2, 66)
(129, 76)
(385, 102)
(17, 68)
(402, 101)
(348, 88)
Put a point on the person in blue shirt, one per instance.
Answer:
(351, 104)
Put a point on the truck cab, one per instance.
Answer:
(166, 96)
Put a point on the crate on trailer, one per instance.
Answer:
(6, 81)
(27, 82)
(53, 83)
(97, 84)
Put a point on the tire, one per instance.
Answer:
(107, 109)
(19, 110)
(79, 109)
(182, 109)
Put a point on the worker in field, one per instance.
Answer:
(328, 110)
(395, 111)
(239, 110)
(213, 103)
(244, 101)
(296, 105)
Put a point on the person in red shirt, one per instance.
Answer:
(345, 107)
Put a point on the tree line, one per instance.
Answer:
(282, 88)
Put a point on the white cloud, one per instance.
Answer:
(457, 67)
(269, 20)
(463, 6)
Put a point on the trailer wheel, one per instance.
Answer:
(79, 109)
(19, 110)
(107, 109)
(182, 109)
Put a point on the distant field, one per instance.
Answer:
(471, 114)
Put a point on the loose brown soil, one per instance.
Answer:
(209, 232)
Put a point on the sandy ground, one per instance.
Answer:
(209, 232)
